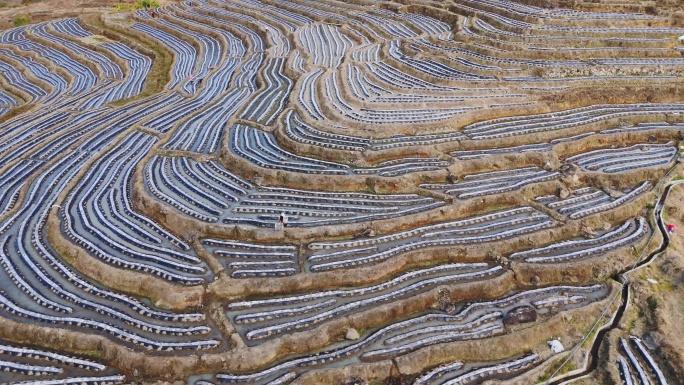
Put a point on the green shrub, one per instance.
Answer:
(147, 4)
(20, 20)
(140, 4)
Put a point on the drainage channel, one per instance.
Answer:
(624, 281)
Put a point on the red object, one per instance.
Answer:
(670, 228)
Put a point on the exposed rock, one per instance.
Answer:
(607, 226)
(652, 139)
(563, 193)
(569, 180)
(588, 232)
(452, 178)
(568, 169)
(535, 280)
(352, 334)
(520, 315)
(444, 301)
(368, 233)
(652, 340)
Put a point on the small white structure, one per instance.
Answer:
(556, 346)
(282, 221)
(681, 38)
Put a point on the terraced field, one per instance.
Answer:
(337, 192)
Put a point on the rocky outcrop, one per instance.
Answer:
(520, 315)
